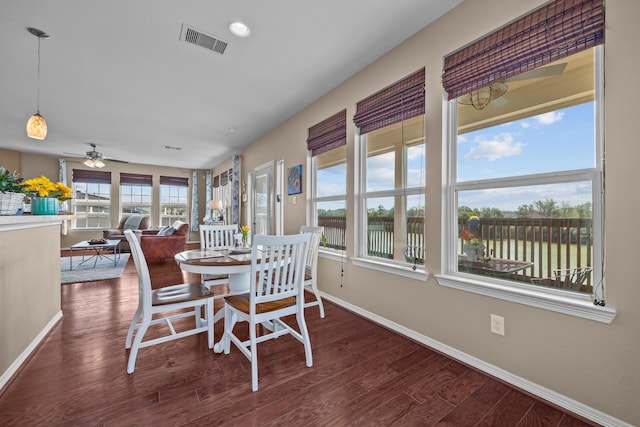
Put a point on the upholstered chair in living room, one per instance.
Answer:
(166, 243)
(128, 222)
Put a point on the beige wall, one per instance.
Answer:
(29, 287)
(591, 362)
(10, 160)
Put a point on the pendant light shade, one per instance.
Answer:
(37, 125)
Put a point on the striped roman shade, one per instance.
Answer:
(136, 179)
(328, 134)
(224, 178)
(553, 31)
(91, 177)
(400, 101)
(174, 180)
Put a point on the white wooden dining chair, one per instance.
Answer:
(278, 264)
(216, 236)
(153, 302)
(311, 270)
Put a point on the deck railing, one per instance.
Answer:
(549, 243)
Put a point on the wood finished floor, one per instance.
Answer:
(363, 374)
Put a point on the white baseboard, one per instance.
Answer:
(10, 372)
(542, 392)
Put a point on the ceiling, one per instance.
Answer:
(115, 74)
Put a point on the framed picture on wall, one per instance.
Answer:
(294, 180)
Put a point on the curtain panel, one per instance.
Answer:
(554, 31)
(397, 102)
(328, 134)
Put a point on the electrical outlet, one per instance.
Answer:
(497, 325)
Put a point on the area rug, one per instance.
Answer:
(104, 269)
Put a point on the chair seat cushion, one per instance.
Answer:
(241, 302)
(179, 293)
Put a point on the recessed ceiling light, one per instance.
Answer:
(239, 29)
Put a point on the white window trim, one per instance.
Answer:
(74, 203)
(560, 301)
(186, 204)
(312, 207)
(361, 259)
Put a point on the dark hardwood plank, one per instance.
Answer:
(363, 374)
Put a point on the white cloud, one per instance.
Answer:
(525, 125)
(549, 118)
(500, 146)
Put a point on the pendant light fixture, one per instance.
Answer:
(37, 125)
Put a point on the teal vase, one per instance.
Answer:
(44, 206)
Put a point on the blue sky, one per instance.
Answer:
(554, 141)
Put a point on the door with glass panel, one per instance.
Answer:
(263, 200)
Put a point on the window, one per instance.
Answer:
(523, 216)
(91, 199)
(393, 160)
(390, 220)
(135, 194)
(173, 199)
(327, 143)
(329, 204)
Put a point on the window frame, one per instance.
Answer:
(185, 218)
(580, 305)
(361, 258)
(312, 213)
(75, 200)
(122, 202)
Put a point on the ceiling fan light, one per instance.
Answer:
(480, 98)
(37, 127)
(99, 163)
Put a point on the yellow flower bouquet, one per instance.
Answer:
(245, 235)
(44, 187)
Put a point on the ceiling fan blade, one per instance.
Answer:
(499, 102)
(109, 159)
(73, 154)
(551, 70)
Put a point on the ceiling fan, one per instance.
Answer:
(94, 159)
(493, 94)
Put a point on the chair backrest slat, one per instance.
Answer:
(278, 263)
(217, 235)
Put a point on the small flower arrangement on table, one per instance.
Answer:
(470, 238)
(472, 246)
(244, 230)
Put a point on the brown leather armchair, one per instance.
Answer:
(118, 232)
(160, 246)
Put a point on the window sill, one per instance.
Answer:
(332, 254)
(392, 268)
(559, 301)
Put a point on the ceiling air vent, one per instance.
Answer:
(191, 35)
